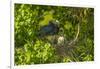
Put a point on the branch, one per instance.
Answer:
(78, 30)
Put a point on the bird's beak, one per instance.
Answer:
(57, 22)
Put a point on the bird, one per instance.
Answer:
(51, 29)
(61, 40)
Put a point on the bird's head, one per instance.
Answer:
(56, 22)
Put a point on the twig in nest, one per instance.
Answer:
(78, 30)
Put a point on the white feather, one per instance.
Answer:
(61, 40)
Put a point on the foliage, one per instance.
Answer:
(32, 49)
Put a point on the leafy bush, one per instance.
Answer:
(30, 48)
